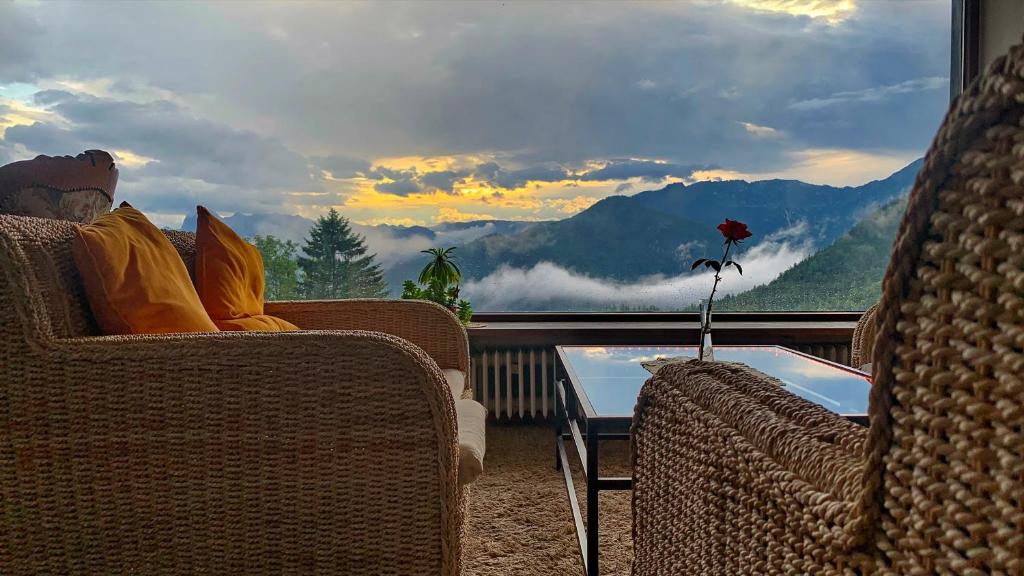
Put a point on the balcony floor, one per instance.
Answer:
(519, 519)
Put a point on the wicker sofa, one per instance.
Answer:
(328, 451)
(734, 475)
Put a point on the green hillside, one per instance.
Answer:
(616, 238)
(844, 276)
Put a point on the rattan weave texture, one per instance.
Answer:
(863, 338)
(314, 452)
(732, 475)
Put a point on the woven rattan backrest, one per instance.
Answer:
(42, 297)
(945, 478)
(185, 243)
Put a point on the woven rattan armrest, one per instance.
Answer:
(863, 342)
(727, 464)
(315, 452)
(428, 325)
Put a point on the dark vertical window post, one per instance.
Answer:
(965, 45)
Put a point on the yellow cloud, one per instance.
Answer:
(110, 88)
(432, 163)
(472, 199)
(418, 163)
(20, 114)
(835, 166)
(393, 221)
(129, 159)
(572, 205)
(522, 200)
(447, 214)
(831, 11)
(841, 167)
(716, 174)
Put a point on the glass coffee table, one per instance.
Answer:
(597, 387)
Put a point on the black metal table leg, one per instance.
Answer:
(593, 485)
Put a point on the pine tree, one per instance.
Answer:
(335, 263)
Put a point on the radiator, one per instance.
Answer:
(515, 383)
(518, 383)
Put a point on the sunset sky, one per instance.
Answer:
(417, 113)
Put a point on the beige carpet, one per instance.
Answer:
(519, 519)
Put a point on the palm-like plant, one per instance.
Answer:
(442, 269)
(440, 283)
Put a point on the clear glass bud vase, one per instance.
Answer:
(705, 352)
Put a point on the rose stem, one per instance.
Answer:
(706, 326)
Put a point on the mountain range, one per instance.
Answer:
(624, 238)
(655, 234)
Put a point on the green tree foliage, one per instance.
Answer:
(280, 270)
(440, 283)
(335, 263)
(441, 269)
(844, 276)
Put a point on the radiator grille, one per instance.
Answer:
(518, 383)
(515, 383)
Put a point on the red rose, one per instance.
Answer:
(734, 231)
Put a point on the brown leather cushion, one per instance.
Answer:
(78, 189)
(79, 206)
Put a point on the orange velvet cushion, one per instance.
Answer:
(229, 278)
(134, 279)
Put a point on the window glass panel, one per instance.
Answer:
(577, 155)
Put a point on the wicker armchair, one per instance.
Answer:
(330, 451)
(733, 475)
(863, 338)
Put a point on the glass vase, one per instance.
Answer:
(705, 350)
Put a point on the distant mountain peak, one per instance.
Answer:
(247, 225)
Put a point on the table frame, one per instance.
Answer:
(573, 407)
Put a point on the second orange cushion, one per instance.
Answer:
(229, 278)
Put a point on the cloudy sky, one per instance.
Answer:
(426, 112)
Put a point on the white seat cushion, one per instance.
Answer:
(456, 381)
(472, 421)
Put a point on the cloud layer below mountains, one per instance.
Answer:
(392, 249)
(549, 286)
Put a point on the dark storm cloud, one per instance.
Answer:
(495, 175)
(646, 170)
(553, 83)
(45, 138)
(228, 96)
(19, 36)
(405, 182)
(185, 146)
(399, 187)
(399, 182)
(443, 180)
(410, 181)
(874, 94)
(191, 156)
(342, 166)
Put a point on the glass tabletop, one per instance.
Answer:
(611, 376)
